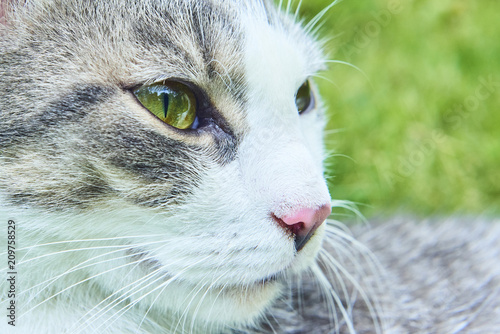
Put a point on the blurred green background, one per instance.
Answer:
(417, 129)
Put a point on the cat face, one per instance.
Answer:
(204, 215)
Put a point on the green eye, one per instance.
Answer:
(304, 98)
(172, 102)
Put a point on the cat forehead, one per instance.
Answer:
(212, 43)
(239, 46)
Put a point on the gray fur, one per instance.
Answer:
(436, 276)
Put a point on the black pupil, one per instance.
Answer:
(165, 104)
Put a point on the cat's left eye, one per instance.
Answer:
(172, 102)
(304, 99)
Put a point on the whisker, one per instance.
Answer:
(125, 295)
(183, 316)
(336, 61)
(89, 240)
(216, 297)
(327, 79)
(335, 271)
(116, 301)
(150, 307)
(78, 283)
(29, 248)
(324, 281)
(79, 266)
(349, 206)
(124, 309)
(319, 16)
(330, 302)
(52, 280)
(351, 249)
(79, 250)
(204, 296)
(296, 15)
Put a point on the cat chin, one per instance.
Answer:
(245, 304)
(238, 305)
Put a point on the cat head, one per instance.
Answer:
(221, 210)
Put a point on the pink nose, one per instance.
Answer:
(304, 222)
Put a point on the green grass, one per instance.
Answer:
(420, 133)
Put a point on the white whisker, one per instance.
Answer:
(137, 300)
(319, 16)
(353, 66)
(324, 281)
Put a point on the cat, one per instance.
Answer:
(161, 172)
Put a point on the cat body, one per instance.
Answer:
(125, 224)
(434, 276)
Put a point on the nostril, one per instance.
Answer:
(296, 228)
(303, 223)
(305, 217)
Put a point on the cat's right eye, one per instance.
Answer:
(172, 102)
